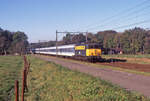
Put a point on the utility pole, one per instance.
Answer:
(67, 32)
(56, 43)
(39, 46)
(86, 37)
(70, 32)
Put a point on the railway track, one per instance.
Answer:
(121, 63)
(131, 66)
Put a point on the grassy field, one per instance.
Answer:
(139, 59)
(50, 82)
(10, 67)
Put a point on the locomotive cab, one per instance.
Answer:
(90, 52)
(93, 50)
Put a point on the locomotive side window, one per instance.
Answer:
(93, 46)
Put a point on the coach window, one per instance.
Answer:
(64, 50)
(71, 49)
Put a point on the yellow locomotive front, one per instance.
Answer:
(91, 52)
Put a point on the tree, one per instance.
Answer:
(106, 38)
(125, 43)
(147, 43)
(67, 39)
(117, 39)
(79, 38)
(133, 40)
(5, 41)
(20, 43)
(91, 38)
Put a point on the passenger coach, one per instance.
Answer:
(90, 52)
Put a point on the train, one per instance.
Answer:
(87, 52)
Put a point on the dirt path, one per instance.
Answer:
(139, 83)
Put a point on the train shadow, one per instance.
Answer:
(103, 60)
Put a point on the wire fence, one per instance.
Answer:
(24, 80)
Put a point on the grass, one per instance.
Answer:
(51, 82)
(10, 67)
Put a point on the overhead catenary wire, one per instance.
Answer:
(130, 19)
(116, 15)
(126, 26)
(134, 18)
(121, 17)
(129, 25)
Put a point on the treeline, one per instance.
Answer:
(13, 42)
(132, 41)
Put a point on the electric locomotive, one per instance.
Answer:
(90, 52)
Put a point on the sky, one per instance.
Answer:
(40, 19)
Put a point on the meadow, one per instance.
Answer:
(51, 82)
(10, 70)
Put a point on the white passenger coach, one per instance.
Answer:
(64, 50)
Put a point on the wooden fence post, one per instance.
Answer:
(23, 84)
(17, 90)
(24, 77)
